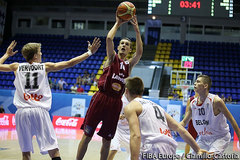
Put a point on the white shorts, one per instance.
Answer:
(121, 139)
(215, 144)
(35, 121)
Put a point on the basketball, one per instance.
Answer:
(126, 10)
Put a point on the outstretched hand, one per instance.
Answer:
(10, 48)
(95, 45)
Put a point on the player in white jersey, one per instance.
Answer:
(122, 135)
(150, 126)
(33, 96)
(209, 113)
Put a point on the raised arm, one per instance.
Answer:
(109, 40)
(70, 63)
(131, 113)
(218, 103)
(139, 45)
(9, 67)
(9, 52)
(188, 114)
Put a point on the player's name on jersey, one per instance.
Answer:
(202, 122)
(117, 77)
(31, 67)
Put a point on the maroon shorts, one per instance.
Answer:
(192, 130)
(103, 108)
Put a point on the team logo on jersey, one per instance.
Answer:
(34, 97)
(205, 132)
(166, 132)
(116, 87)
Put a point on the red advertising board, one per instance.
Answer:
(7, 121)
(236, 145)
(67, 122)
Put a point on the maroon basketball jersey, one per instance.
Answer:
(191, 98)
(112, 80)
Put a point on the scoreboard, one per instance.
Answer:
(203, 8)
(187, 62)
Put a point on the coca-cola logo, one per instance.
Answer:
(4, 121)
(71, 122)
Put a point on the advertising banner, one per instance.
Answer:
(236, 145)
(7, 121)
(174, 111)
(78, 106)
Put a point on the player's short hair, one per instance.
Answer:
(135, 86)
(206, 80)
(29, 50)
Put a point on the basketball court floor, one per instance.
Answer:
(68, 142)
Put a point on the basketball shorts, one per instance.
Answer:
(216, 144)
(121, 140)
(35, 121)
(103, 108)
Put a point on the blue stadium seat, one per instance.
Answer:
(228, 90)
(234, 97)
(87, 88)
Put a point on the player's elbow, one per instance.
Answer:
(136, 136)
(109, 39)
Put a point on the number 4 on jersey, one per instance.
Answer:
(158, 113)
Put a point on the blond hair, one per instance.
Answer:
(29, 50)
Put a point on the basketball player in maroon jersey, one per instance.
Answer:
(106, 103)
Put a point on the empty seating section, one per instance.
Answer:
(219, 60)
(55, 48)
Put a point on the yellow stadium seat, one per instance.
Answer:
(166, 56)
(173, 81)
(98, 76)
(100, 72)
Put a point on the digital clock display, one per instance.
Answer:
(187, 62)
(187, 4)
(203, 8)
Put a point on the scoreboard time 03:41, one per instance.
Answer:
(202, 8)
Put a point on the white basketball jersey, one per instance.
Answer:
(123, 124)
(32, 86)
(153, 124)
(204, 120)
